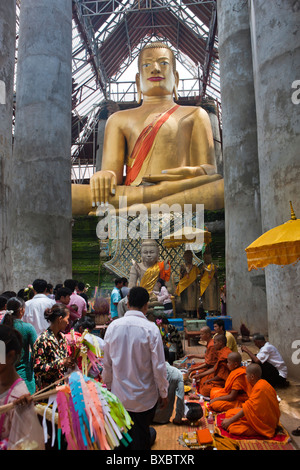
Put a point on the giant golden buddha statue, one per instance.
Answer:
(167, 150)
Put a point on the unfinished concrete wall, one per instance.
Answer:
(42, 237)
(245, 292)
(7, 62)
(276, 63)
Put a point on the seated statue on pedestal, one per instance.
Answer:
(166, 149)
(149, 270)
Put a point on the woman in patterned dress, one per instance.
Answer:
(50, 352)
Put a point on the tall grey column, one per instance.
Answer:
(42, 241)
(7, 63)
(245, 292)
(276, 62)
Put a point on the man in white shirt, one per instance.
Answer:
(35, 307)
(134, 366)
(274, 369)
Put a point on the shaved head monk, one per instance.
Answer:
(259, 415)
(217, 375)
(236, 390)
(210, 356)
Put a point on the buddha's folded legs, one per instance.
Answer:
(207, 190)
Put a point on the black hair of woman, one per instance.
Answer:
(13, 307)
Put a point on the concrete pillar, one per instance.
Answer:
(42, 234)
(7, 63)
(276, 63)
(245, 292)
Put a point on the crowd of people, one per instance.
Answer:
(138, 357)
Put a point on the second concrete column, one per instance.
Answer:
(42, 165)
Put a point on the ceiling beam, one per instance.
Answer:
(99, 7)
(90, 46)
(210, 45)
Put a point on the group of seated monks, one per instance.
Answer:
(249, 402)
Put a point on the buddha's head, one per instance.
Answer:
(149, 252)
(157, 75)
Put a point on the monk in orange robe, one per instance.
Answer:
(236, 390)
(260, 414)
(210, 356)
(219, 373)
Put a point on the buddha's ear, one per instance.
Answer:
(138, 88)
(176, 75)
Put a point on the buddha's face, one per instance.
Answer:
(149, 254)
(156, 75)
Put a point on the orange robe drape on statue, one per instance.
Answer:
(210, 357)
(235, 381)
(143, 146)
(220, 369)
(151, 275)
(261, 412)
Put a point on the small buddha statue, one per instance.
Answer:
(148, 271)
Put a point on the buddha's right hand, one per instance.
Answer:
(103, 183)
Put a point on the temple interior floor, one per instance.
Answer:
(168, 434)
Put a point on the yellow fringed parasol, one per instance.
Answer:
(280, 245)
(185, 235)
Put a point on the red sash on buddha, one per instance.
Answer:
(143, 145)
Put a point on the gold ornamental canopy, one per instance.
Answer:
(187, 235)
